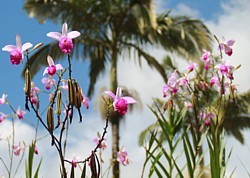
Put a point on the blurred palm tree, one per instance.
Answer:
(117, 28)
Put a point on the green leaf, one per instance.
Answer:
(38, 168)
(84, 171)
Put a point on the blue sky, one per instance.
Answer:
(228, 18)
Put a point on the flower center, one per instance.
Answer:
(16, 57)
(121, 106)
(52, 70)
(66, 44)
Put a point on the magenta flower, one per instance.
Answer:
(34, 93)
(122, 157)
(51, 70)
(191, 67)
(226, 46)
(2, 117)
(2, 100)
(214, 81)
(16, 52)
(103, 144)
(226, 69)
(17, 149)
(20, 113)
(120, 102)
(206, 59)
(74, 162)
(36, 150)
(172, 86)
(85, 102)
(206, 117)
(48, 82)
(64, 38)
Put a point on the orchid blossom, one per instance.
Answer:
(120, 102)
(2, 117)
(122, 157)
(172, 86)
(48, 82)
(64, 38)
(51, 70)
(206, 59)
(103, 144)
(226, 46)
(17, 149)
(226, 69)
(2, 100)
(191, 67)
(16, 52)
(20, 113)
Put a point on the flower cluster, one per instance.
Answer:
(218, 75)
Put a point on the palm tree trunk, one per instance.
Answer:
(114, 117)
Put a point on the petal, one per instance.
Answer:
(9, 48)
(50, 61)
(64, 29)
(73, 34)
(230, 42)
(18, 42)
(45, 71)
(118, 92)
(59, 67)
(55, 35)
(26, 46)
(129, 100)
(110, 94)
(44, 80)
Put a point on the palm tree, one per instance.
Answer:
(112, 28)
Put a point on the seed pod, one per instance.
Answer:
(71, 92)
(59, 103)
(78, 95)
(27, 82)
(50, 120)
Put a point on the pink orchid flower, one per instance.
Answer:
(226, 46)
(103, 144)
(85, 102)
(17, 149)
(206, 59)
(226, 69)
(214, 81)
(34, 93)
(74, 162)
(2, 100)
(20, 113)
(16, 52)
(64, 38)
(172, 86)
(191, 67)
(51, 70)
(36, 150)
(122, 157)
(2, 117)
(48, 82)
(120, 102)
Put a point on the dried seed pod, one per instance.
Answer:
(71, 92)
(50, 119)
(27, 82)
(78, 95)
(59, 103)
